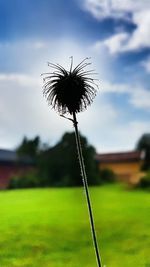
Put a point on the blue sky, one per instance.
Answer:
(114, 33)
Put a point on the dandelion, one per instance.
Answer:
(70, 92)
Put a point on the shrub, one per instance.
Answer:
(144, 183)
(107, 176)
(27, 180)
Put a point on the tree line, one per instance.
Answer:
(58, 165)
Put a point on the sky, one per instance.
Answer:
(115, 34)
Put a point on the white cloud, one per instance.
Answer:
(117, 88)
(24, 111)
(105, 128)
(140, 98)
(138, 39)
(101, 9)
(19, 79)
(117, 42)
(140, 16)
(146, 64)
(104, 123)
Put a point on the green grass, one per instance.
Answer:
(50, 228)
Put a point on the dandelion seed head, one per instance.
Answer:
(69, 91)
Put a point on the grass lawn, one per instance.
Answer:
(50, 228)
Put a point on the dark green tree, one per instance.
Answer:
(59, 165)
(29, 147)
(144, 145)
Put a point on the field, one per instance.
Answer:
(50, 228)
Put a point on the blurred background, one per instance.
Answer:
(114, 34)
(45, 222)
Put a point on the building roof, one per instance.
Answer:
(120, 157)
(7, 155)
(12, 157)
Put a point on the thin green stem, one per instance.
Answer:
(85, 184)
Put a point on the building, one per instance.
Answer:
(11, 164)
(125, 165)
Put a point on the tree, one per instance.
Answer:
(59, 164)
(29, 147)
(144, 182)
(144, 144)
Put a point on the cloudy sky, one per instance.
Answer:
(114, 33)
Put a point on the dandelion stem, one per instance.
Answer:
(85, 184)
